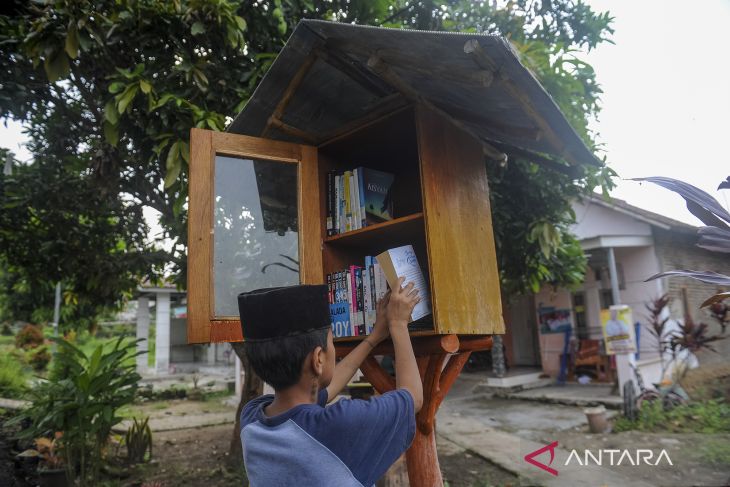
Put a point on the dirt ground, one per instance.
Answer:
(198, 458)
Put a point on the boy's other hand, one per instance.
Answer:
(380, 329)
(401, 303)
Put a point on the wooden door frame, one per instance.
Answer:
(202, 323)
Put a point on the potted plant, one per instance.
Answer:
(50, 467)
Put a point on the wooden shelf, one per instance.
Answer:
(373, 233)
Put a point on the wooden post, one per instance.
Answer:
(431, 354)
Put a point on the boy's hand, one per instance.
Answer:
(380, 329)
(401, 304)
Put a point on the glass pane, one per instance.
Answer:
(255, 243)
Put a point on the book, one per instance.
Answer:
(402, 262)
(376, 187)
(330, 202)
(338, 209)
(348, 200)
(355, 203)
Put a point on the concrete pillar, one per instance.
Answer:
(499, 368)
(239, 378)
(624, 361)
(211, 353)
(162, 335)
(613, 273)
(143, 332)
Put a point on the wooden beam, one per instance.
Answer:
(291, 130)
(289, 92)
(572, 171)
(385, 107)
(422, 345)
(482, 59)
(387, 74)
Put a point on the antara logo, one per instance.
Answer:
(599, 457)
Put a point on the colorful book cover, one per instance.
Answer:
(377, 198)
(340, 316)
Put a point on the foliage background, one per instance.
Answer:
(109, 90)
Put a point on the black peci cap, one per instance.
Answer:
(278, 312)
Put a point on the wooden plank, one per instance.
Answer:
(200, 224)
(363, 234)
(424, 345)
(255, 147)
(459, 236)
(311, 220)
(225, 331)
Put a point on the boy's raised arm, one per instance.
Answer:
(347, 367)
(401, 304)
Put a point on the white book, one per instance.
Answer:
(402, 262)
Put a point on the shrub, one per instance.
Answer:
(6, 330)
(30, 336)
(83, 404)
(13, 378)
(39, 359)
(697, 417)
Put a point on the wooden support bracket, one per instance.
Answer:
(440, 359)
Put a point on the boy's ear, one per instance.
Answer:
(318, 360)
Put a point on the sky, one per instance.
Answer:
(666, 100)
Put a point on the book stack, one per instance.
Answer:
(358, 198)
(353, 296)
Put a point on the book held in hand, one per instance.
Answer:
(402, 262)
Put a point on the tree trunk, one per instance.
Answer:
(253, 387)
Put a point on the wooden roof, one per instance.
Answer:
(330, 77)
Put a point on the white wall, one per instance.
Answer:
(594, 220)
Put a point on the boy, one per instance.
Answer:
(290, 438)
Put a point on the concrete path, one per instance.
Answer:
(13, 404)
(504, 430)
(169, 423)
(572, 394)
(508, 450)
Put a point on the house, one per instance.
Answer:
(640, 244)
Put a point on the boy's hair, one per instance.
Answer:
(279, 361)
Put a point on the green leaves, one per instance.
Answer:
(197, 28)
(125, 98)
(179, 152)
(56, 66)
(72, 42)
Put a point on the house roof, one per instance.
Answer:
(654, 219)
(330, 75)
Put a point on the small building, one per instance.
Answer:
(640, 243)
(168, 306)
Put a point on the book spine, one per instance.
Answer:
(348, 198)
(330, 205)
(356, 218)
(329, 289)
(360, 300)
(350, 301)
(371, 277)
(337, 204)
(361, 195)
(366, 301)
